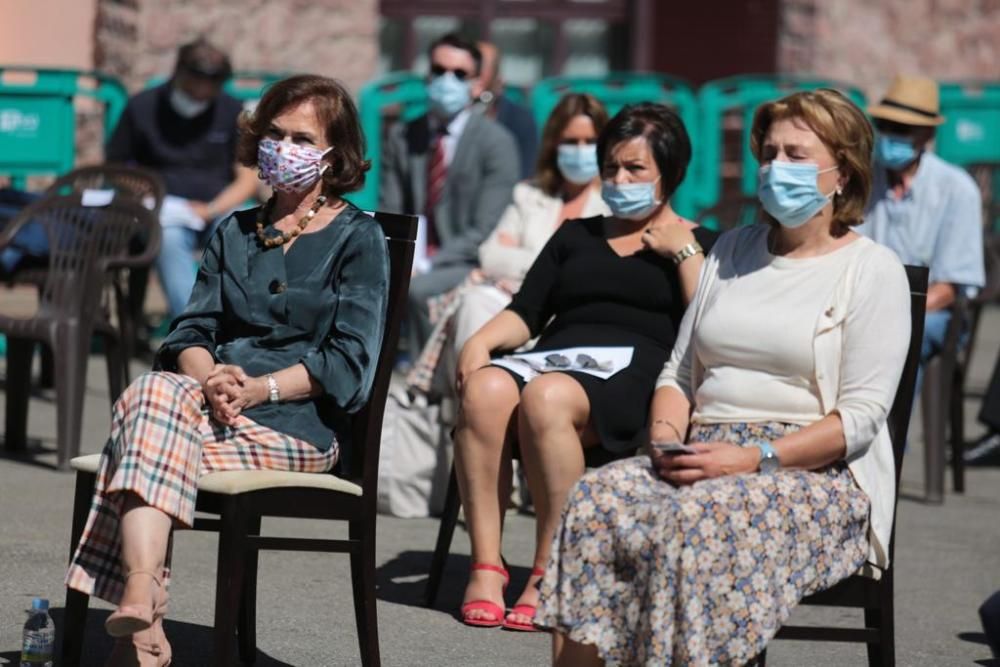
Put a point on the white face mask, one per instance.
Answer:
(185, 105)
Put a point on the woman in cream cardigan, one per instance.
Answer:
(780, 383)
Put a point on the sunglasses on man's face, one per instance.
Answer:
(441, 70)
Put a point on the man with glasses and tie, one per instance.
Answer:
(453, 165)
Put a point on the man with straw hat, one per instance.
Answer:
(927, 210)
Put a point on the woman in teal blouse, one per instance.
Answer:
(277, 346)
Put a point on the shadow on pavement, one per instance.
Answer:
(191, 643)
(974, 637)
(30, 454)
(403, 580)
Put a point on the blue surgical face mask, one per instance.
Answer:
(577, 163)
(448, 95)
(630, 201)
(789, 192)
(894, 151)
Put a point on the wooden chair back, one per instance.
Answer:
(366, 426)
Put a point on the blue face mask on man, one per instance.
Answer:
(630, 201)
(448, 94)
(577, 163)
(895, 151)
(789, 192)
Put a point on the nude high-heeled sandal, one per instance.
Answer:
(130, 619)
(147, 648)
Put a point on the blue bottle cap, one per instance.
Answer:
(40, 604)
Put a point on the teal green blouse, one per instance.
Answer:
(321, 304)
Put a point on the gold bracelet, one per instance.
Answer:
(680, 438)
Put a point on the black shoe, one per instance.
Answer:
(985, 451)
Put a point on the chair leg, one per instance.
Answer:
(760, 660)
(117, 361)
(957, 429)
(446, 530)
(229, 578)
(47, 374)
(71, 357)
(363, 580)
(126, 325)
(932, 407)
(75, 619)
(246, 632)
(19, 352)
(882, 654)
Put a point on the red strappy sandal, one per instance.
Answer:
(486, 605)
(524, 610)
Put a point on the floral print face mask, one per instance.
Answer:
(289, 167)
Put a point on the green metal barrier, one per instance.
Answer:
(38, 121)
(740, 96)
(400, 95)
(971, 131)
(617, 90)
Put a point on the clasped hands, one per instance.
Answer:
(229, 391)
(710, 460)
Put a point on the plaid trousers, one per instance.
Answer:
(162, 440)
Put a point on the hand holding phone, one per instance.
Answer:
(670, 448)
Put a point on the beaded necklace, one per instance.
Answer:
(284, 237)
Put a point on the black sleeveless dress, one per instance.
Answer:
(580, 292)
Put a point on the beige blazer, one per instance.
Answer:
(531, 219)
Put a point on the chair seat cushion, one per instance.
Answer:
(243, 481)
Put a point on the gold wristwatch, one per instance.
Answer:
(690, 250)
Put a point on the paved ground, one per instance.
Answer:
(948, 561)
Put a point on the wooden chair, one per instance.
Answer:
(943, 392)
(875, 596)
(242, 498)
(85, 243)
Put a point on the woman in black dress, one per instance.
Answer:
(620, 281)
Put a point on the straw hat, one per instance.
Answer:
(911, 100)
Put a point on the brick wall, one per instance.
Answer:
(138, 39)
(866, 42)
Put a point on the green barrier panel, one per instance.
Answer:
(38, 121)
(401, 95)
(113, 94)
(743, 94)
(971, 130)
(618, 89)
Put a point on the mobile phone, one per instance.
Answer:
(672, 448)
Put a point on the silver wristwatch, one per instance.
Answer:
(769, 462)
(273, 395)
(690, 250)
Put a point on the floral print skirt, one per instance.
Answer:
(653, 574)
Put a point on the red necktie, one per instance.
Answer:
(437, 174)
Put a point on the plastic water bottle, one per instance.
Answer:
(39, 636)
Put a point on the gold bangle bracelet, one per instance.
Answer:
(680, 438)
